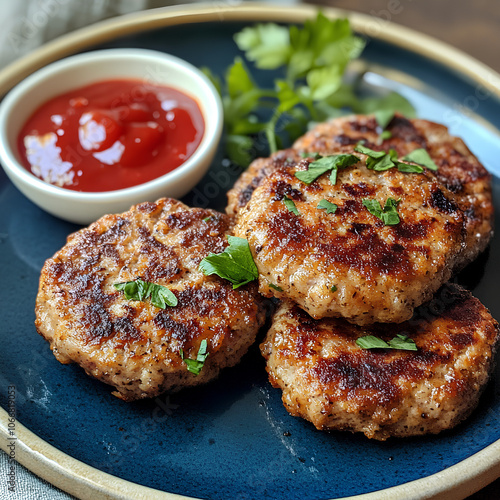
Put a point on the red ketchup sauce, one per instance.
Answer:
(111, 135)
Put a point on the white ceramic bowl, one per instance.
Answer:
(83, 69)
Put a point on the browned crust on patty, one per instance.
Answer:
(330, 381)
(240, 194)
(133, 345)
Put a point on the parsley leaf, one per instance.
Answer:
(268, 45)
(373, 207)
(239, 149)
(421, 157)
(388, 214)
(139, 289)
(333, 288)
(386, 162)
(323, 82)
(372, 342)
(384, 117)
(290, 204)
(318, 167)
(195, 365)
(234, 264)
(321, 43)
(369, 152)
(407, 168)
(377, 160)
(400, 341)
(403, 342)
(330, 208)
(162, 297)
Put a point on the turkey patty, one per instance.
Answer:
(349, 262)
(131, 344)
(330, 381)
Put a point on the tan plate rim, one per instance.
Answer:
(84, 481)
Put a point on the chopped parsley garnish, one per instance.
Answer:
(421, 157)
(139, 289)
(386, 162)
(403, 342)
(388, 215)
(234, 264)
(369, 152)
(333, 288)
(330, 208)
(314, 156)
(409, 169)
(290, 205)
(206, 219)
(275, 287)
(400, 341)
(195, 365)
(319, 167)
(381, 160)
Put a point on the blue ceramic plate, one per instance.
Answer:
(233, 439)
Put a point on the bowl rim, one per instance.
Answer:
(206, 100)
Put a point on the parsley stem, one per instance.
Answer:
(270, 131)
(309, 104)
(267, 93)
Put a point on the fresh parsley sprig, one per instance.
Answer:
(234, 264)
(400, 341)
(309, 63)
(314, 56)
(140, 289)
